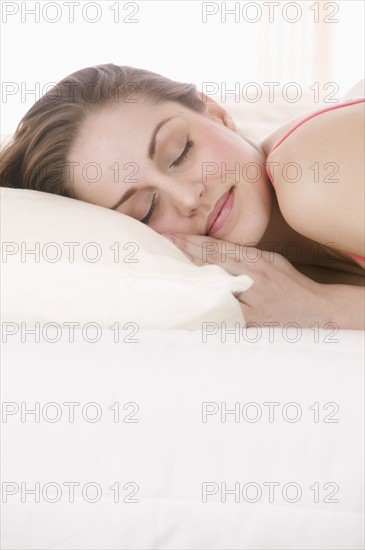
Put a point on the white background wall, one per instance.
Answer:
(304, 41)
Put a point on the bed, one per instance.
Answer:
(138, 412)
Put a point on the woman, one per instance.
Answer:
(167, 155)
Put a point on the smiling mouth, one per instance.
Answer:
(220, 213)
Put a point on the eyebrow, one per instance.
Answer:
(150, 153)
(152, 145)
(125, 197)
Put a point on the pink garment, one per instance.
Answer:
(350, 102)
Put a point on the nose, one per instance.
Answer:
(184, 196)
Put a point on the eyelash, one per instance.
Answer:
(177, 162)
(146, 219)
(184, 154)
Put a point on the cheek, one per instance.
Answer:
(210, 160)
(226, 158)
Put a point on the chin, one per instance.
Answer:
(250, 219)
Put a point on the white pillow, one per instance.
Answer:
(153, 284)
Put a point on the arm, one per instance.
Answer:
(346, 305)
(280, 293)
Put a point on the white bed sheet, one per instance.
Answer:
(170, 452)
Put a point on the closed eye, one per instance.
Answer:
(184, 154)
(154, 204)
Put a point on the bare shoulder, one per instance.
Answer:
(272, 139)
(318, 174)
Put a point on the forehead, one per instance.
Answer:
(122, 119)
(110, 138)
(122, 126)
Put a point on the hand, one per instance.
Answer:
(280, 294)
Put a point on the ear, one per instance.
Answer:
(216, 111)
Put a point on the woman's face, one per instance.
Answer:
(168, 166)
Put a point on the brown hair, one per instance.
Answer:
(36, 156)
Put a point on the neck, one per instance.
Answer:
(278, 232)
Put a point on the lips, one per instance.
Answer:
(220, 213)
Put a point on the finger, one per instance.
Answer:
(248, 316)
(199, 249)
(207, 250)
(246, 300)
(193, 244)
